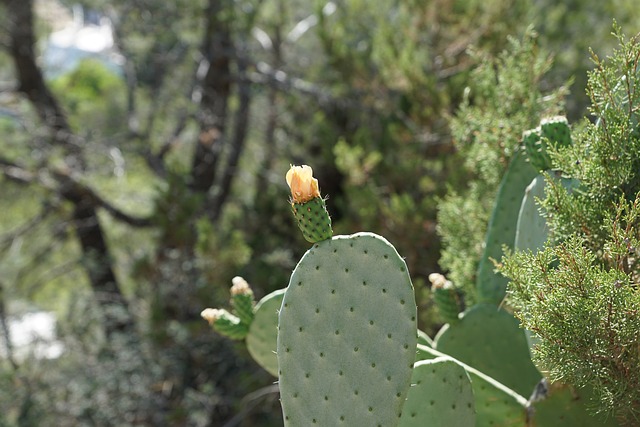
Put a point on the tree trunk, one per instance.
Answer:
(216, 48)
(98, 262)
(237, 145)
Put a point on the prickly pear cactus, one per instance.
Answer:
(225, 323)
(491, 286)
(556, 129)
(440, 395)
(347, 335)
(234, 325)
(491, 340)
(552, 130)
(532, 142)
(446, 297)
(263, 333)
(424, 339)
(307, 205)
(313, 220)
(532, 232)
(242, 300)
(496, 405)
(562, 405)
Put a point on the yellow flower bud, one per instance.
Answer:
(304, 187)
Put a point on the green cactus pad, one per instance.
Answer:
(263, 332)
(565, 406)
(243, 307)
(531, 232)
(230, 326)
(495, 404)
(313, 219)
(536, 152)
(491, 286)
(556, 130)
(347, 335)
(490, 339)
(447, 301)
(440, 395)
(552, 130)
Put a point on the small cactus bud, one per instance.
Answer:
(211, 315)
(438, 280)
(240, 286)
(242, 300)
(225, 323)
(445, 296)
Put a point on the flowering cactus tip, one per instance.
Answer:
(304, 187)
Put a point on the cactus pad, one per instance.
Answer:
(531, 232)
(242, 300)
(556, 130)
(263, 332)
(446, 297)
(536, 152)
(313, 219)
(490, 340)
(491, 286)
(226, 323)
(564, 406)
(552, 130)
(495, 404)
(347, 335)
(440, 395)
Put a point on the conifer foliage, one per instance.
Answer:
(580, 294)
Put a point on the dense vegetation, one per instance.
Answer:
(132, 199)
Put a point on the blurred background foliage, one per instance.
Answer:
(132, 196)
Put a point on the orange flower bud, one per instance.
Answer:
(304, 187)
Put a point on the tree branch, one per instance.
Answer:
(6, 240)
(22, 175)
(75, 191)
(16, 173)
